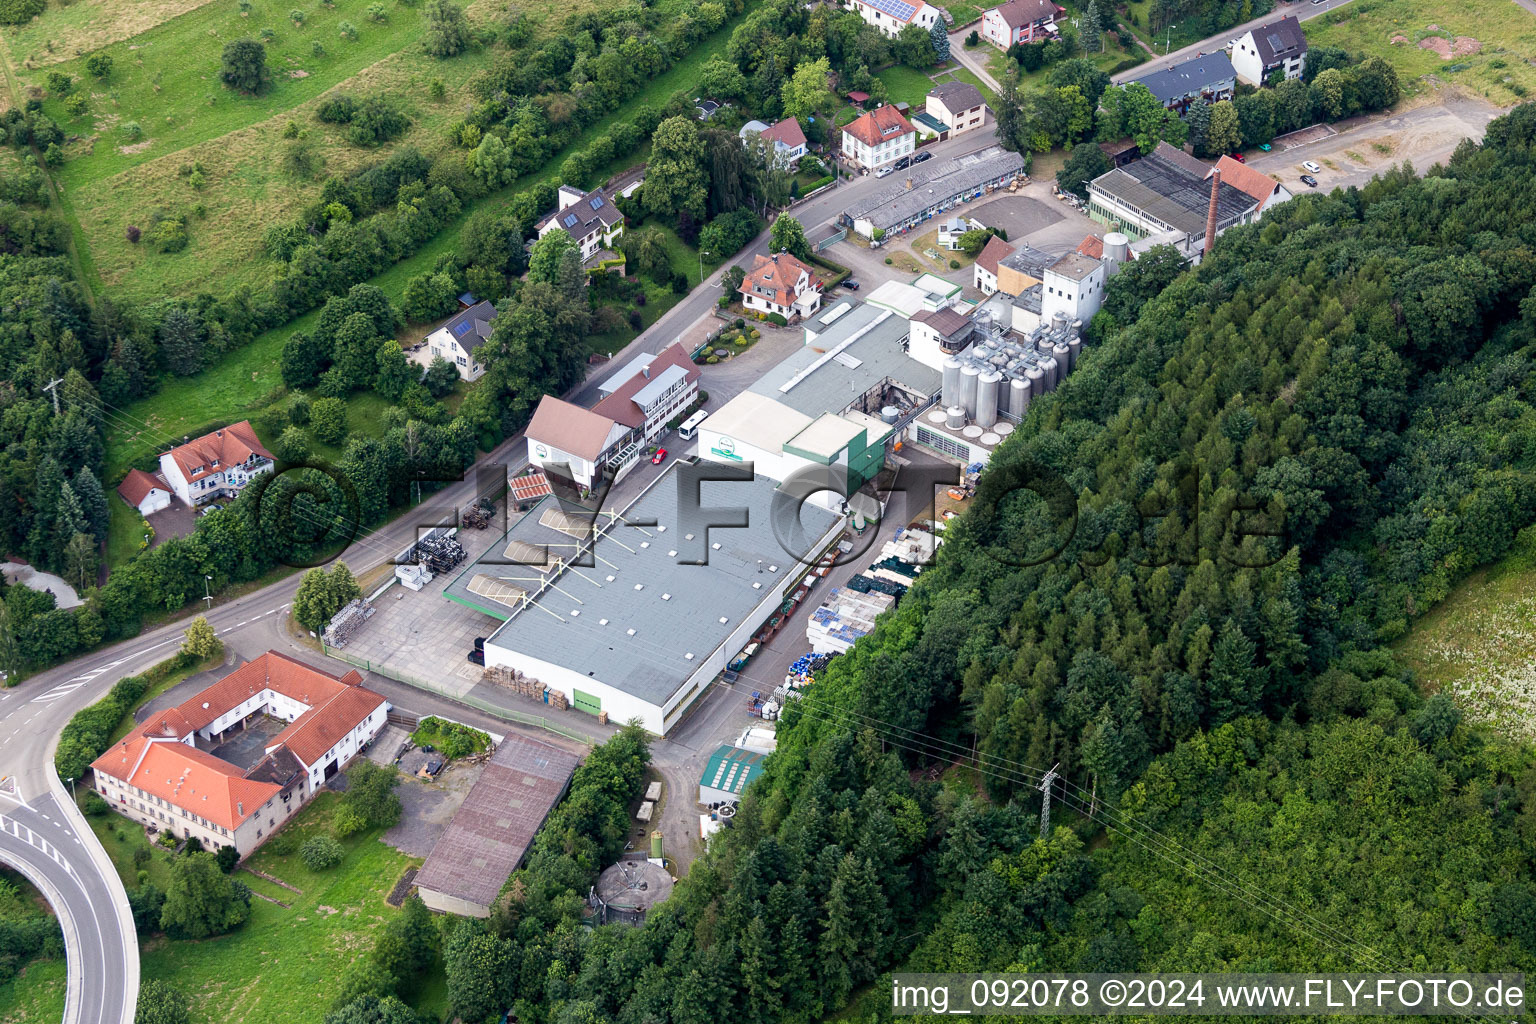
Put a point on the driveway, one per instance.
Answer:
(974, 61)
(1423, 135)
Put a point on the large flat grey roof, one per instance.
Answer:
(506, 807)
(935, 181)
(1172, 194)
(829, 373)
(640, 607)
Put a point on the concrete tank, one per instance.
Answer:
(970, 378)
(954, 417)
(950, 392)
(1018, 402)
(986, 397)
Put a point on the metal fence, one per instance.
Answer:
(505, 714)
(831, 240)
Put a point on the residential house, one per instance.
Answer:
(951, 229)
(1266, 190)
(985, 271)
(879, 137)
(145, 493)
(168, 773)
(891, 16)
(216, 465)
(958, 104)
(1020, 21)
(1210, 77)
(590, 218)
(457, 340)
(1279, 46)
(786, 138)
(781, 284)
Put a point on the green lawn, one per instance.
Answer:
(1501, 71)
(34, 995)
(1479, 645)
(906, 85)
(125, 532)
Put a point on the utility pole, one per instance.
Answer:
(207, 592)
(1045, 804)
(53, 386)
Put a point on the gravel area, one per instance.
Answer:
(428, 807)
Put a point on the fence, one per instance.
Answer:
(831, 240)
(505, 714)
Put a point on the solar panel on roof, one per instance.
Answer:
(898, 9)
(570, 220)
(1275, 43)
(597, 202)
(460, 328)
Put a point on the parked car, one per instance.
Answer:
(1309, 181)
(1310, 167)
(477, 657)
(661, 454)
(903, 163)
(209, 510)
(851, 285)
(919, 158)
(1239, 158)
(882, 172)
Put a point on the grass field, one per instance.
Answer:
(278, 968)
(1502, 70)
(1480, 643)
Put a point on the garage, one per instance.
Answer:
(586, 702)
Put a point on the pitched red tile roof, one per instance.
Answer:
(992, 253)
(787, 131)
(620, 407)
(778, 274)
(879, 125)
(137, 485)
(1246, 179)
(215, 452)
(186, 777)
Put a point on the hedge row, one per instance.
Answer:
(89, 732)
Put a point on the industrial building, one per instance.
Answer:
(630, 614)
(493, 829)
(1165, 198)
(928, 189)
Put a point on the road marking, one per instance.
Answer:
(15, 828)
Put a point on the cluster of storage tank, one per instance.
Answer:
(996, 376)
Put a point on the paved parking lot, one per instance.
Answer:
(1020, 215)
(245, 748)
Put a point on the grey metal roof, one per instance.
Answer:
(1169, 193)
(648, 395)
(820, 381)
(1028, 260)
(641, 609)
(504, 810)
(1190, 77)
(933, 183)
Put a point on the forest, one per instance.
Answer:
(1177, 583)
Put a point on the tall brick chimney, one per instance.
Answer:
(1210, 217)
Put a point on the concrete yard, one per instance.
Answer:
(428, 807)
(245, 748)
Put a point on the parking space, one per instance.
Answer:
(1019, 215)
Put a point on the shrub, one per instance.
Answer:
(93, 804)
(437, 90)
(99, 65)
(132, 234)
(887, 261)
(328, 419)
(296, 16)
(954, 264)
(59, 83)
(712, 359)
(317, 48)
(243, 66)
(227, 858)
(376, 12)
(321, 853)
(131, 131)
(170, 235)
(778, 319)
(973, 40)
(19, 12)
(76, 104)
(266, 35)
(283, 844)
(347, 30)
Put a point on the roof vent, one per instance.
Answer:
(610, 579)
(716, 545)
(205, 705)
(575, 612)
(602, 622)
(723, 620)
(773, 568)
(688, 656)
(757, 586)
(687, 536)
(639, 586)
(661, 529)
(671, 554)
(645, 543)
(630, 632)
(666, 597)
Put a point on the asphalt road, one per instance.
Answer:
(1302, 10)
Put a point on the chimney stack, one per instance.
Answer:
(1210, 217)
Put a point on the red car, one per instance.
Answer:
(1239, 158)
(661, 453)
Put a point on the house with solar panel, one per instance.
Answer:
(1279, 46)
(1020, 21)
(590, 218)
(457, 340)
(891, 16)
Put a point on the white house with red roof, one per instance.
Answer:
(786, 137)
(166, 773)
(891, 16)
(216, 465)
(1020, 21)
(879, 137)
(146, 493)
(781, 284)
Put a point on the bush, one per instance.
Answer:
(89, 732)
(19, 12)
(777, 319)
(283, 844)
(954, 264)
(227, 859)
(243, 66)
(99, 65)
(328, 419)
(131, 131)
(321, 853)
(77, 104)
(170, 235)
(973, 40)
(132, 234)
(887, 261)
(93, 804)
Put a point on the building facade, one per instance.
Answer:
(590, 218)
(459, 338)
(167, 775)
(879, 137)
(1020, 21)
(781, 284)
(1280, 46)
(143, 492)
(891, 16)
(958, 105)
(217, 465)
(1209, 77)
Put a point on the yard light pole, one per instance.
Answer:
(1167, 35)
(72, 789)
(702, 254)
(208, 591)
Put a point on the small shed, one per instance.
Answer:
(728, 773)
(146, 493)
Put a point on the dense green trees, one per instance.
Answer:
(201, 900)
(322, 594)
(243, 66)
